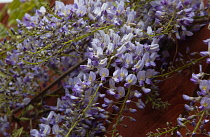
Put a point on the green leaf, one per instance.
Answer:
(3, 11)
(13, 5)
(24, 119)
(3, 31)
(17, 10)
(30, 107)
(2, 99)
(2, 74)
(17, 133)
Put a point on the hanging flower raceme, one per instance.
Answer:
(121, 44)
(206, 53)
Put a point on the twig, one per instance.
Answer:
(54, 91)
(50, 86)
(202, 20)
(191, 63)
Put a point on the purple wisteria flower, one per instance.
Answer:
(12, 59)
(42, 10)
(180, 121)
(195, 78)
(4, 125)
(44, 131)
(52, 118)
(205, 103)
(206, 53)
(145, 90)
(92, 77)
(130, 80)
(141, 75)
(139, 65)
(188, 108)
(178, 134)
(186, 97)
(120, 74)
(204, 86)
(120, 43)
(137, 94)
(112, 88)
(104, 72)
(121, 92)
(140, 104)
(107, 103)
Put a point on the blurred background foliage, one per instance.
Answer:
(16, 10)
(3, 31)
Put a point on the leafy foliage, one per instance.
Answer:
(3, 31)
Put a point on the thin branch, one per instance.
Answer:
(50, 86)
(180, 68)
(202, 20)
(54, 91)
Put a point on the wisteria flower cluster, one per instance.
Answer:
(102, 56)
(199, 119)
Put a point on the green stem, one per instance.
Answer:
(171, 20)
(172, 129)
(83, 36)
(194, 131)
(44, 48)
(120, 113)
(83, 112)
(191, 63)
(44, 91)
(65, 43)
